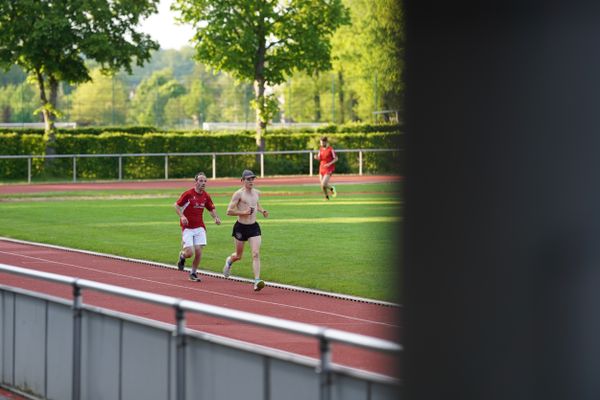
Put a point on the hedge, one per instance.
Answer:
(152, 167)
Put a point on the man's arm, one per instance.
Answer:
(213, 213)
(335, 158)
(179, 211)
(264, 212)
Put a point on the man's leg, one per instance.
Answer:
(196, 262)
(186, 252)
(235, 256)
(324, 184)
(197, 257)
(255, 242)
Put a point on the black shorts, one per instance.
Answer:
(243, 232)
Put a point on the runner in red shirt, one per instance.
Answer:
(328, 159)
(190, 207)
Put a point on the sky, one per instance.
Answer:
(163, 28)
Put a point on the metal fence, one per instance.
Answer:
(181, 336)
(262, 154)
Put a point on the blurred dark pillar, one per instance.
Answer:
(502, 250)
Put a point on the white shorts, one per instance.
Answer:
(193, 237)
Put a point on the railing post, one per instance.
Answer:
(29, 169)
(120, 167)
(74, 168)
(166, 167)
(77, 316)
(214, 166)
(360, 162)
(325, 367)
(180, 353)
(310, 163)
(262, 164)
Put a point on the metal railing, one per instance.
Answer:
(213, 155)
(180, 307)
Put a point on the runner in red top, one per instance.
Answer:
(328, 159)
(190, 207)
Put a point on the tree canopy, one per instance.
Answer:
(263, 41)
(153, 95)
(101, 101)
(51, 40)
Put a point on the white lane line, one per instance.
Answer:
(38, 259)
(204, 272)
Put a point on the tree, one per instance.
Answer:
(18, 103)
(51, 40)
(368, 55)
(263, 41)
(151, 97)
(101, 101)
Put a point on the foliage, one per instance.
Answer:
(14, 144)
(101, 100)
(148, 103)
(51, 41)
(13, 76)
(152, 167)
(18, 103)
(367, 65)
(180, 62)
(263, 41)
(368, 54)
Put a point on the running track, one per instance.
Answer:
(367, 318)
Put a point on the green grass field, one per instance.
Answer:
(348, 245)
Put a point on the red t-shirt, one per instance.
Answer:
(326, 155)
(194, 204)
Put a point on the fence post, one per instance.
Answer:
(77, 316)
(180, 353)
(310, 163)
(166, 167)
(214, 166)
(120, 167)
(325, 367)
(74, 168)
(262, 164)
(360, 163)
(29, 169)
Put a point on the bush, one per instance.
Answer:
(153, 166)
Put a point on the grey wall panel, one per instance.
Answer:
(217, 372)
(145, 363)
(347, 388)
(384, 392)
(2, 328)
(127, 358)
(60, 351)
(293, 382)
(172, 368)
(100, 357)
(7, 337)
(30, 344)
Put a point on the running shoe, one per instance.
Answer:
(227, 267)
(326, 197)
(333, 192)
(258, 284)
(194, 277)
(181, 262)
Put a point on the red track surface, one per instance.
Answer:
(353, 316)
(186, 183)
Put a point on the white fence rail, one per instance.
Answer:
(309, 153)
(25, 363)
